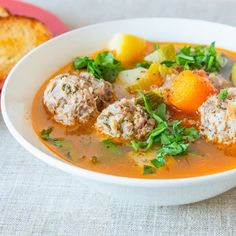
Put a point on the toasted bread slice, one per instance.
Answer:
(18, 35)
(4, 12)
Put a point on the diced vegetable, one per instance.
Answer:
(233, 75)
(64, 146)
(165, 53)
(153, 74)
(127, 47)
(138, 79)
(130, 77)
(160, 69)
(189, 91)
(154, 97)
(143, 79)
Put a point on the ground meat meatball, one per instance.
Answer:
(218, 81)
(123, 119)
(75, 99)
(218, 118)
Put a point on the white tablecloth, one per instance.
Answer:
(36, 199)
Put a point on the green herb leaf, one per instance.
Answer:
(64, 146)
(223, 94)
(148, 108)
(200, 57)
(168, 63)
(143, 65)
(109, 143)
(153, 96)
(45, 133)
(135, 145)
(191, 134)
(82, 62)
(156, 46)
(161, 111)
(104, 66)
(159, 161)
(57, 142)
(171, 137)
(113, 147)
(148, 170)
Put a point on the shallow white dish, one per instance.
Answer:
(27, 76)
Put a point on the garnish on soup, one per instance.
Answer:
(143, 109)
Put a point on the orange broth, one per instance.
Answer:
(203, 158)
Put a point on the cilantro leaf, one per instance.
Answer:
(148, 169)
(145, 65)
(190, 134)
(171, 137)
(135, 145)
(104, 66)
(223, 94)
(200, 57)
(168, 63)
(45, 133)
(156, 46)
(161, 111)
(58, 142)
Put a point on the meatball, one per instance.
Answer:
(124, 119)
(218, 81)
(74, 99)
(218, 118)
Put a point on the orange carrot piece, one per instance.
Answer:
(189, 90)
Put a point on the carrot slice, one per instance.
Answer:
(189, 90)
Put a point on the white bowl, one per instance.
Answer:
(27, 76)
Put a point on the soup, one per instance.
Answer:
(169, 135)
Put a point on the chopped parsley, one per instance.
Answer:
(156, 46)
(45, 133)
(109, 143)
(113, 147)
(171, 137)
(145, 65)
(104, 66)
(148, 169)
(168, 63)
(200, 57)
(65, 146)
(191, 57)
(223, 94)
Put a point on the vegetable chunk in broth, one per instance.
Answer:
(165, 110)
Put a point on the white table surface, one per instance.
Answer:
(36, 199)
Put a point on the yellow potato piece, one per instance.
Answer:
(127, 47)
(143, 79)
(154, 75)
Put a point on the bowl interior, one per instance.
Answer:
(27, 76)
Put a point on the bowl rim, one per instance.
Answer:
(97, 176)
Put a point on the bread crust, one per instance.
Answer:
(19, 35)
(4, 12)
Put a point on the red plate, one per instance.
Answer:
(55, 25)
